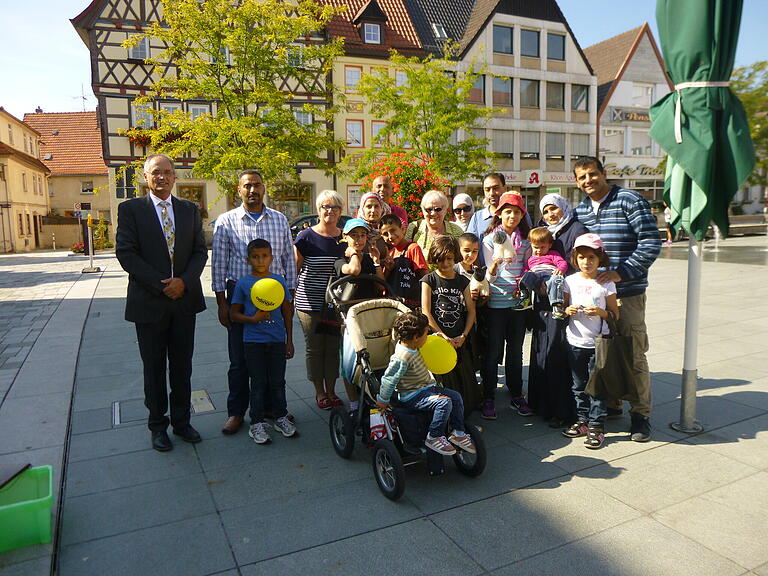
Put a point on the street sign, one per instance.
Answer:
(82, 206)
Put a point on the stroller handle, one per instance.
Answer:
(350, 279)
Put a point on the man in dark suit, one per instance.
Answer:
(160, 244)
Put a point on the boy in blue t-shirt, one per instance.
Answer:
(267, 343)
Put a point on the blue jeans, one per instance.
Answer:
(446, 406)
(266, 368)
(553, 282)
(505, 326)
(588, 409)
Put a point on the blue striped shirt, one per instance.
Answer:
(234, 230)
(628, 229)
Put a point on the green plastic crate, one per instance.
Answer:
(25, 509)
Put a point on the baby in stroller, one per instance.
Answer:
(418, 390)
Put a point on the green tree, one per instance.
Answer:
(751, 85)
(245, 56)
(426, 111)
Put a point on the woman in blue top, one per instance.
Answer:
(317, 249)
(504, 249)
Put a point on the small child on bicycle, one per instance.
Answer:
(418, 390)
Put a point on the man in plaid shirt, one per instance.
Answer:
(623, 220)
(233, 231)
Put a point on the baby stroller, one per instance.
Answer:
(397, 439)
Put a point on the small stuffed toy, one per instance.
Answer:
(479, 282)
(503, 248)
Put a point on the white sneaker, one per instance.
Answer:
(259, 433)
(285, 426)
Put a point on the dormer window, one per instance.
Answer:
(439, 31)
(372, 33)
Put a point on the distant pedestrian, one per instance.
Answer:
(160, 244)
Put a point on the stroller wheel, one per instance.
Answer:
(342, 431)
(388, 469)
(472, 464)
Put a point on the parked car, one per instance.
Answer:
(308, 220)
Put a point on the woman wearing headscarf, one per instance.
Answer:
(549, 376)
(372, 208)
(463, 209)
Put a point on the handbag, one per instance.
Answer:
(614, 366)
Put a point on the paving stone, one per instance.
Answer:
(115, 512)
(428, 551)
(193, 547)
(91, 420)
(29, 423)
(110, 442)
(640, 546)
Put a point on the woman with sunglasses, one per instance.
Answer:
(434, 207)
(463, 208)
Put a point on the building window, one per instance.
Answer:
(503, 143)
(502, 39)
(222, 57)
(642, 95)
(303, 117)
(170, 107)
(555, 146)
(555, 46)
(502, 91)
(439, 31)
(529, 145)
(579, 97)
(372, 33)
(196, 110)
(125, 185)
(355, 133)
(193, 193)
(34, 184)
(555, 96)
(29, 225)
(141, 117)
(401, 78)
(579, 145)
(26, 146)
(21, 225)
(529, 93)
(10, 134)
(86, 187)
(140, 51)
(640, 143)
(376, 127)
(352, 76)
(529, 43)
(296, 55)
(24, 185)
(477, 92)
(403, 141)
(612, 141)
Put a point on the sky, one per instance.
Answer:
(43, 62)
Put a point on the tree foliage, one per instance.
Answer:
(426, 112)
(751, 85)
(237, 54)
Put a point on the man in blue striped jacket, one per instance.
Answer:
(623, 220)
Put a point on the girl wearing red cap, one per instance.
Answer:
(504, 248)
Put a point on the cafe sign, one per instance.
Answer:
(613, 169)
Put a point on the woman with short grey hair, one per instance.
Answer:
(317, 249)
(434, 208)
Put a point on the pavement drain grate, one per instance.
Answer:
(201, 402)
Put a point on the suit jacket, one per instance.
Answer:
(143, 253)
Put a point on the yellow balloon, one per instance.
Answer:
(438, 355)
(267, 294)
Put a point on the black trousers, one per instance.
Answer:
(169, 342)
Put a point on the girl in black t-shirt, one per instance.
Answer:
(447, 302)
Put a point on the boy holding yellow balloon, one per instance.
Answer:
(262, 303)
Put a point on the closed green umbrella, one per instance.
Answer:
(702, 127)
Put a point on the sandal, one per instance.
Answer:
(595, 438)
(335, 401)
(576, 430)
(324, 403)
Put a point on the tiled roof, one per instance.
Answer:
(453, 15)
(75, 148)
(608, 57)
(6, 150)
(398, 31)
